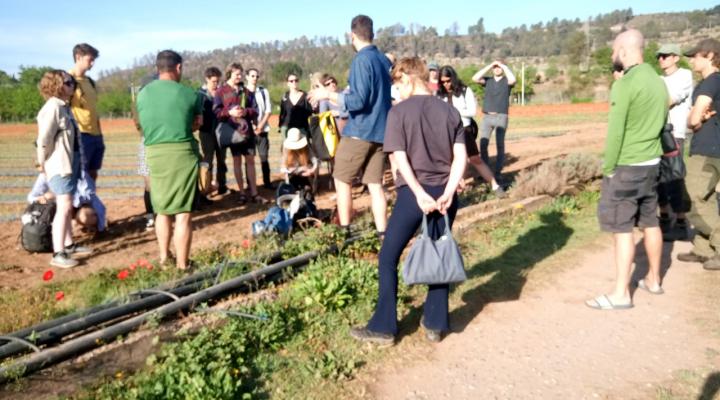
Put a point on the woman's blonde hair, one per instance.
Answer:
(51, 83)
(414, 67)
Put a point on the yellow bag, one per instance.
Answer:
(330, 131)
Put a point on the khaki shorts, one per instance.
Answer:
(355, 157)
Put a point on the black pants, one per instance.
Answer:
(404, 221)
(262, 141)
(210, 149)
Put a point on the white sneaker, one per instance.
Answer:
(150, 224)
(62, 260)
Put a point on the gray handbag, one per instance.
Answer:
(432, 262)
(227, 135)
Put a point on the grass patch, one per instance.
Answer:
(303, 350)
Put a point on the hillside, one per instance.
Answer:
(566, 59)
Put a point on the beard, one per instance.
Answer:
(617, 64)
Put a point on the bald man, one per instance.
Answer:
(628, 197)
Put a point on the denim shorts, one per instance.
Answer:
(628, 199)
(94, 149)
(66, 184)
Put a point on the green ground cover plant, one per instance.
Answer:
(303, 349)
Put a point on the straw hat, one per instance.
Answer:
(295, 139)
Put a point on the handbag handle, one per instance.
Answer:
(447, 225)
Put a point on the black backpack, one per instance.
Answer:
(36, 234)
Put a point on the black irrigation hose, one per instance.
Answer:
(12, 348)
(81, 344)
(57, 332)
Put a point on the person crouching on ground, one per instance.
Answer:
(426, 139)
(88, 209)
(169, 112)
(58, 157)
(298, 163)
(628, 196)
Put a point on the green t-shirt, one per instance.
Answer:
(638, 108)
(166, 110)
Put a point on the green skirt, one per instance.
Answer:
(173, 176)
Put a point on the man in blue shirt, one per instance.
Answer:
(360, 150)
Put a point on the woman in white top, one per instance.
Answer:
(58, 157)
(461, 97)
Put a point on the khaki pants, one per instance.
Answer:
(703, 174)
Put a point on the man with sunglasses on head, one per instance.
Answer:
(671, 188)
(360, 152)
(84, 108)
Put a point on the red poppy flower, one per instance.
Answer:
(133, 266)
(48, 275)
(143, 261)
(246, 243)
(123, 274)
(149, 267)
(59, 295)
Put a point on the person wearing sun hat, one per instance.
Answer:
(671, 187)
(298, 163)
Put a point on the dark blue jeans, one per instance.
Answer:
(405, 220)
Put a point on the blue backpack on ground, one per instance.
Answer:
(277, 220)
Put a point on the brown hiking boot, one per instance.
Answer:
(691, 257)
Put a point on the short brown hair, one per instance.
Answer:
(362, 27)
(212, 72)
(84, 49)
(412, 66)
(232, 67)
(51, 83)
(328, 78)
(167, 60)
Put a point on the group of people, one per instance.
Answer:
(422, 118)
(642, 179)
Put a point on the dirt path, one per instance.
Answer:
(548, 345)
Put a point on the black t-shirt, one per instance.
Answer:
(497, 95)
(426, 128)
(706, 141)
(295, 115)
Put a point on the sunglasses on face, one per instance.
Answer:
(69, 83)
(663, 56)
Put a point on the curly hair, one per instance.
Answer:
(412, 66)
(51, 83)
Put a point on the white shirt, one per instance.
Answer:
(262, 99)
(466, 106)
(680, 88)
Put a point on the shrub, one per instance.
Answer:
(552, 176)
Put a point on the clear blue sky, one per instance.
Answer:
(40, 32)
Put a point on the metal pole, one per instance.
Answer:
(522, 88)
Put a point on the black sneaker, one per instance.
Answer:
(222, 190)
(364, 334)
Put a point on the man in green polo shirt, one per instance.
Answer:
(628, 198)
(168, 113)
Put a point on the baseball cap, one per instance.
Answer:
(705, 46)
(433, 65)
(670, 48)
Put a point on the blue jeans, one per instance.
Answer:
(404, 222)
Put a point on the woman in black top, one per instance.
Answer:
(426, 139)
(295, 109)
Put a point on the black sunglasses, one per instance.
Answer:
(69, 82)
(664, 55)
